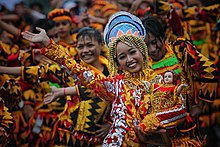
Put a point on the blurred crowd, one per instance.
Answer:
(27, 120)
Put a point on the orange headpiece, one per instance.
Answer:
(177, 4)
(60, 14)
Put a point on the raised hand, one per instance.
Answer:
(39, 38)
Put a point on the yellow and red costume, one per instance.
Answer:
(194, 69)
(129, 104)
(77, 123)
(165, 97)
(130, 97)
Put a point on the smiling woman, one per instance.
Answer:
(129, 92)
(129, 57)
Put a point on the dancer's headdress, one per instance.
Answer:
(60, 14)
(125, 27)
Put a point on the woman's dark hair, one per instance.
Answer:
(45, 24)
(154, 26)
(91, 33)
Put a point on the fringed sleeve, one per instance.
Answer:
(196, 66)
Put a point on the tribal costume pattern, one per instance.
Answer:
(77, 123)
(125, 113)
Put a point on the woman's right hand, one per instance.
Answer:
(37, 38)
(103, 130)
(158, 138)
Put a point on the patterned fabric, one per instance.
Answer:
(6, 124)
(11, 94)
(192, 68)
(164, 97)
(130, 105)
(5, 51)
(11, 91)
(14, 56)
(206, 73)
(169, 62)
(122, 23)
(182, 58)
(77, 123)
(41, 77)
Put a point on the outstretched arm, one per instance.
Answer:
(9, 28)
(101, 86)
(59, 92)
(11, 70)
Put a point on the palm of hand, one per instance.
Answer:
(38, 37)
(35, 37)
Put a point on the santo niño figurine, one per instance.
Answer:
(167, 94)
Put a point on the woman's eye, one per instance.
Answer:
(121, 57)
(80, 47)
(132, 52)
(90, 45)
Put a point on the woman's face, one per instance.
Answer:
(63, 27)
(156, 49)
(89, 49)
(129, 57)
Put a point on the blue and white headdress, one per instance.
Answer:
(123, 23)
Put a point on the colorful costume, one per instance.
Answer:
(76, 124)
(63, 14)
(184, 60)
(12, 87)
(165, 97)
(42, 77)
(6, 124)
(130, 97)
(29, 89)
